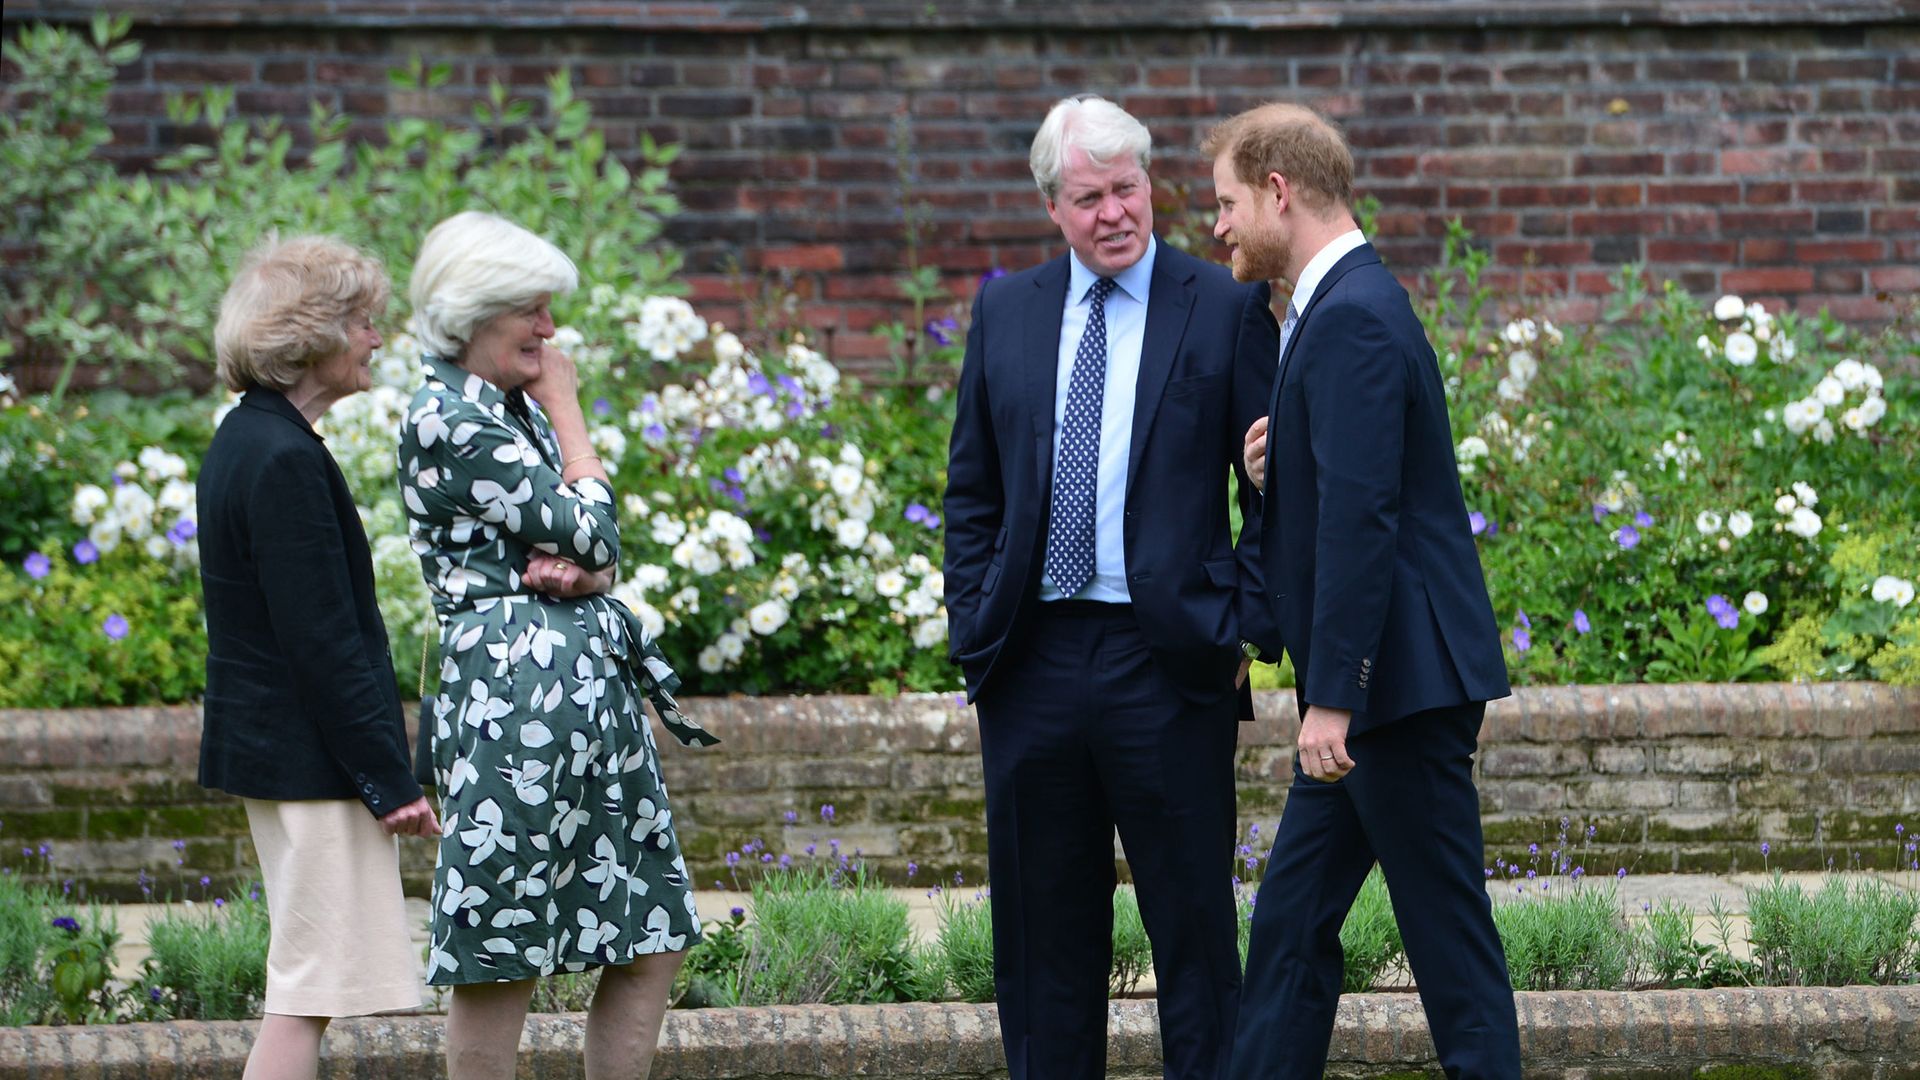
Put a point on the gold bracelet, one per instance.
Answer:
(568, 462)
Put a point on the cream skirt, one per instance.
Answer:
(339, 942)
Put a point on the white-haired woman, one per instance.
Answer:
(559, 852)
(302, 717)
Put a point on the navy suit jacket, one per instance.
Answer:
(1376, 583)
(1207, 361)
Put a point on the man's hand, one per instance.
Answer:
(563, 580)
(414, 819)
(1323, 744)
(1255, 453)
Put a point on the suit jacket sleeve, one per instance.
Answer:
(1255, 364)
(975, 500)
(300, 547)
(1356, 384)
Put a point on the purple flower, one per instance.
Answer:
(1728, 620)
(1489, 871)
(601, 406)
(1524, 621)
(917, 513)
(1765, 849)
(219, 901)
(1477, 522)
(795, 410)
(792, 817)
(826, 812)
(1580, 623)
(179, 845)
(1628, 537)
(996, 272)
(37, 565)
(733, 476)
(1533, 849)
(654, 431)
(1621, 873)
(758, 383)
(154, 994)
(67, 923)
(253, 893)
(912, 869)
(786, 862)
(942, 330)
(205, 881)
(1717, 604)
(84, 553)
(115, 626)
(183, 530)
(733, 859)
(1599, 512)
(1522, 641)
(738, 913)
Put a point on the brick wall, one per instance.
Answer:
(1685, 777)
(1765, 147)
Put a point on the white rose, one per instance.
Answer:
(706, 561)
(732, 647)
(1707, 522)
(1741, 348)
(1902, 593)
(767, 617)
(935, 584)
(918, 604)
(851, 533)
(88, 501)
(1829, 391)
(1800, 415)
(1729, 308)
(135, 508)
(650, 576)
(1873, 377)
(930, 634)
(1521, 331)
(1785, 504)
(727, 347)
(1472, 447)
(1509, 390)
(1854, 419)
(1522, 366)
(105, 533)
(711, 661)
(1850, 374)
(1804, 523)
(844, 480)
(1755, 603)
(890, 583)
(1739, 523)
(1781, 349)
(1872, 409)
(1706, 346)
(1823, 432)
(1806, 493)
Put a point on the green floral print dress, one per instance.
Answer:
(558, 851)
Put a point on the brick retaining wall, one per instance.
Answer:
(1855, 1033)
(1769, 148)
(1674, 778)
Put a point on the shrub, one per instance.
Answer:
(1575, 939)
(1853, 931)
(208, 962)
(824, 936)
(125, 630)
(1668, 956)
(1132, 951)
(1370, 938)
(966, 946)
(55, 958)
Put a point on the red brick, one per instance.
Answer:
(1767, 221)
(1517, 195)
(1619, 165)
(1692, 251)
(1711, 194)
(1767, 280)
(1843, 251)
(1617, 195)
(1850, 69)
(1750, 162)
(1837, 279)
(1769, 193)
(1842, 191)
(1765, 250)
(1895, 279)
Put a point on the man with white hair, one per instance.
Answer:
(1097, 601)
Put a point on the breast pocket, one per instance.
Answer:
(1195, 384)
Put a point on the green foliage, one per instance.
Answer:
(1575, 939)
(713, 964)
(1370, 938)
(129, 270)
(208, 962)
(825, 936)
(1858, 624)
(56, 634)
(1132, 952)
(1854, 931)
(965, 946)
(1668, 955)
(55, 958)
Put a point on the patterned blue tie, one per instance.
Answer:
(1286, 331)
(1077, 470)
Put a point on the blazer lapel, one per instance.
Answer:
(1169, 304)
(1360, 256)
(1042, 362)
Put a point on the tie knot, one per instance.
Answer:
(1101, 288)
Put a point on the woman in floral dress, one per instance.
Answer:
(559, 852)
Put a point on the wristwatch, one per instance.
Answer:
(1249, 650)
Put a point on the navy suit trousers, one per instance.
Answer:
(1410, 804)
(1081, 733)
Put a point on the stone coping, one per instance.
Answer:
(837, 723)
(1806, 1031)
(759, 16)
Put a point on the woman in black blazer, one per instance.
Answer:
(303, 718)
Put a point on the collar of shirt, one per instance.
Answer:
(1322, 262)
(468, 385)
(1134, 280)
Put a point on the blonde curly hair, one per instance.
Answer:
(291, 304)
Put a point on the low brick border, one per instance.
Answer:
(1851, 1032)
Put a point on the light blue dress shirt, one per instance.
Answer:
(1126, 331)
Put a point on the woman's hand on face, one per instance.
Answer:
(558, 384)
(562, 580)
(414, 819)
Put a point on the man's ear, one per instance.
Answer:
(1280, 191)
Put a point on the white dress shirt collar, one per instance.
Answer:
(1318, 266)
(1135, 280)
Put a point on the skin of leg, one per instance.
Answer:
(623, 1023)
(484, 1022)
(287, 1048)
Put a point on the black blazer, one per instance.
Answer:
(1376, 581)
(301, 699)
(1206, 365)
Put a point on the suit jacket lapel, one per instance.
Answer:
(1042, 361)
(1360, 256)
(1169, 303)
